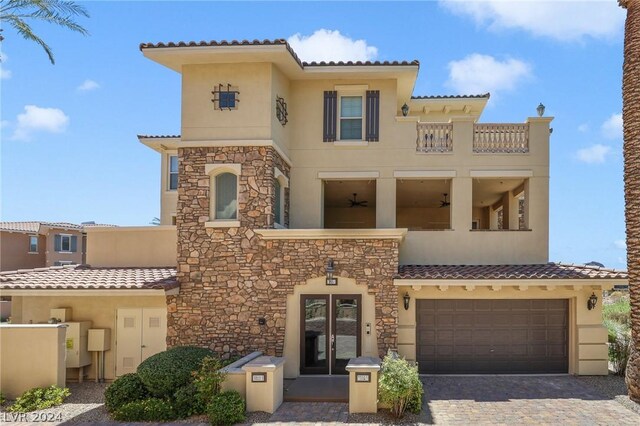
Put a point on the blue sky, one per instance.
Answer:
(69, 148)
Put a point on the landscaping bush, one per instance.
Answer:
(2, 398)
(165, 372)
(146, 410)
(619, 311)
(188, 402)
(399, 385)
(39, 399)
(619, 350)
(226, 408)
(208, 380)
(127, 388)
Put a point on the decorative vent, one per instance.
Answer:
(129, 322)
(154, 322)
(281, 111)
(225, 97)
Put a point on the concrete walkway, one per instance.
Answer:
(483, 400)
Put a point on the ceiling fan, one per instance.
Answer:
(355, 203)
(445, 203)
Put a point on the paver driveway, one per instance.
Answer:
(520, 400)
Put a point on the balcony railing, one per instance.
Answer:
(501, 138)
(434, 137)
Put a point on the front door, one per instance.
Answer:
(330, 332)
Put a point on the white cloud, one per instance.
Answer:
(612, 127)
(583, 128)
(36, 119)
(87, 86)
(328, 45)
(620, 244)
(478, 73)
(564, 20)
(5, 74)
(595, 154)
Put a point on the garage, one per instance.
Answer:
(492, 336)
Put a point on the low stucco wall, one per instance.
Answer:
(235, 375)
(31, 356)
(587, 336)
(141, 246)
(100, 310)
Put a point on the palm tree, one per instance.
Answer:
(18, 13)
(631, 149)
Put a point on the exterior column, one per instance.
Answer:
(386, 202)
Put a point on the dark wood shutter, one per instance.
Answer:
(57, 242)
(372, 133)
(329, 123)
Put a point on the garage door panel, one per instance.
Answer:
(492, 336)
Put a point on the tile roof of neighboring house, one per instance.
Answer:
(34, 226)
(279, 41)
(158, 136)
(84, 277)
(545, 271)
(481, 96)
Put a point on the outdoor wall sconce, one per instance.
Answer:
(405, 109)
(331, 280)
(540, 110)
(406, 298)
(593, 300)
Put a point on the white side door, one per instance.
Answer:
(128, 340)
(154, 331)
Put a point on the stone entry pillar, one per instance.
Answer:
(264, 380)
(363, 384)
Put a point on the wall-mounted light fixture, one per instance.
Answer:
(592, 302)
(406, 299)
(405, 109)
(540, 110)
(331, 280)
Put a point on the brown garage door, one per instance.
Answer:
(492, 336)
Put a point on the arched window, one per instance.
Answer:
(226, 196)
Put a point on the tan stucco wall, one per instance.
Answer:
(100, 310)
(132, 246)
(587, 336)
(31, 356)
(280, 86)
(318, 285)
(14, 251)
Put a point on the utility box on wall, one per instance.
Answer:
(76, 344)
(99, 340)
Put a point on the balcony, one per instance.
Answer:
(488, 138)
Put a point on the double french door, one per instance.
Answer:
(330, 332)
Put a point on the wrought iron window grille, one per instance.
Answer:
(281, 111)
(225, 97)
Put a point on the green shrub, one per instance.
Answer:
(165, 372)
(187, 402)
(208, 380)
(2, 398)
(619, 338)
(619, 311)
(39, 399)
(146, 410)
(124, 389)
(226, 408)
(399, 385)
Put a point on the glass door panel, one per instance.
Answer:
(346, 328)
(314, 341)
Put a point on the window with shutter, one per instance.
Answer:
(74, 243)
(57, 242)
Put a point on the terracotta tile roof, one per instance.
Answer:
(34, 226)
(279, 41)
(481, 96)
(84, 277)
(158, 136)
(545, 271)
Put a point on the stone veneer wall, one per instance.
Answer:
(231, 277)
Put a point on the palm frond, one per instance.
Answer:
(25, 31)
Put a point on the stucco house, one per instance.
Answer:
(321, 211)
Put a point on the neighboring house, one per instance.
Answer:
(25, 245)
(322, 211)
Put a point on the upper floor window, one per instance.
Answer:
(280, 183)
(173, 172)
(351, 117)
(65, 243)
(277, 206)
(33, 244)
(226, 196)
(225, 96)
